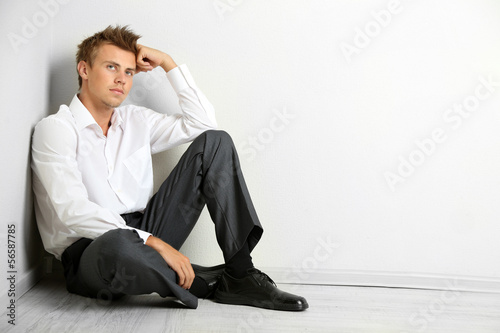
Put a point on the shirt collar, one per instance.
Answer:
(82, 116)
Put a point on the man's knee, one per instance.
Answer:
(219, 137)
(110, 250)
(105, 264)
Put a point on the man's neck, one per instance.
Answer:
(101, 113)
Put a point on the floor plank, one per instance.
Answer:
(49, 308)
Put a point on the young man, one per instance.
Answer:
(92, 179)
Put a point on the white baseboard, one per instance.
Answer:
(25, 281)
(368, 278)
(29, 279)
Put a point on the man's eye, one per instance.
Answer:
(111, 67)
(130, 73)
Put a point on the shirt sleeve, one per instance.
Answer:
(197, 114)
(54, 163)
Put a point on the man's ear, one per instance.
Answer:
(82, 69)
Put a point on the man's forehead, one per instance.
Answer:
(113, 53)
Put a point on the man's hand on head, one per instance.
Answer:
(149, 58)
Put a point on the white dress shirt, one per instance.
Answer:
(84, 180)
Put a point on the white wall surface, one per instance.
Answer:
(24, 92)
(326, 101)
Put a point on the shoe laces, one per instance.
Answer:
(262, 276)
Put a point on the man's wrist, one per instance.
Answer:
(156, 243)
(168, 63)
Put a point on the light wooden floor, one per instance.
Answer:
(49, 308)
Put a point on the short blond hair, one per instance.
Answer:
(119, 36)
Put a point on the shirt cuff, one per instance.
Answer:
(180, 78)
(143, 234)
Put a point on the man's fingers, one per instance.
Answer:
(185, 283)
(182, 276)
(142, 60)
(189, 274)
(178, 262)
(185, 273)
(145, 68)
(143, 65)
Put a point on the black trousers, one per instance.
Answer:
(118, 262)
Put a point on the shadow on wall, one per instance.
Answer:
(32, 239)
(63, 84)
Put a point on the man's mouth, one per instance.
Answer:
(117, 91)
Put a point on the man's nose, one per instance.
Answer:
(121, 77)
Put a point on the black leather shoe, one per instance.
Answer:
(211, 276)
(257, 289)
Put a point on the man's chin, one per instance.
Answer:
(113, 103)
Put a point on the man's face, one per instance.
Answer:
(111, 75)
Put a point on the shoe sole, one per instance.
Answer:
(227, 298)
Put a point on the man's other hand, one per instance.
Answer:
(176, 260)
